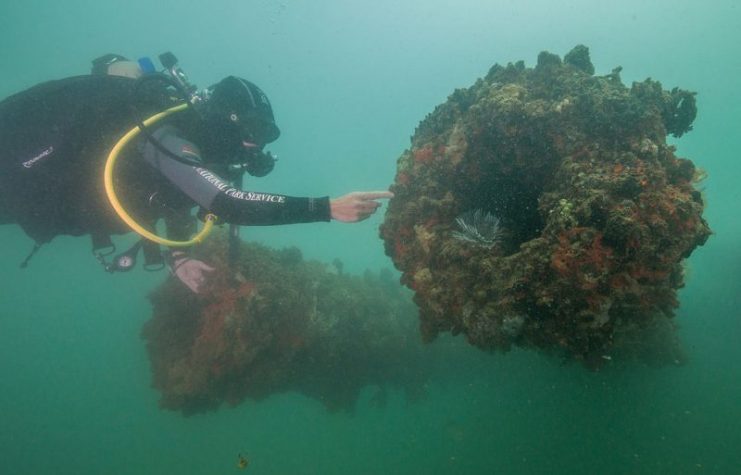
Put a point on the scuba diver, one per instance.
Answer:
(127, 146)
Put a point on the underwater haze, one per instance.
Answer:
(349, 82)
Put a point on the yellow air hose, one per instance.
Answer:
(108, 181)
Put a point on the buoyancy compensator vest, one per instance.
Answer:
(54, 139)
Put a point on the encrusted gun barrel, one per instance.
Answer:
(542, 207)
(272, 323)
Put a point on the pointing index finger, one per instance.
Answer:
(374, 195)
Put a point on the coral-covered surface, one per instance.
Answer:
(277, 323)
(590, 213)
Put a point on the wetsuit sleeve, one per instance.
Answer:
(216, 195)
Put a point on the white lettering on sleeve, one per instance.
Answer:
(252, 196)
(236, 193)
(211, 178)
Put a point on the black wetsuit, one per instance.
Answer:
(212, 193)
(55, 137)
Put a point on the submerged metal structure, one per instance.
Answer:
(590, 212)
(275, 323)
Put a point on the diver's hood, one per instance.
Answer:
(241, 107)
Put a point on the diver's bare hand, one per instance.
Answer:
(357, 206)
(191, 272)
